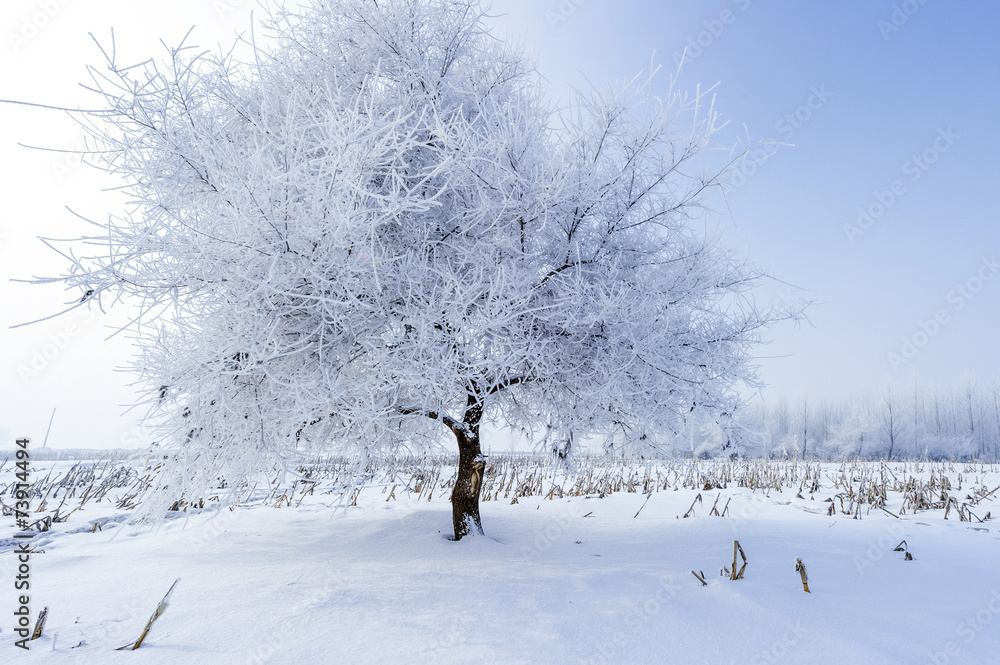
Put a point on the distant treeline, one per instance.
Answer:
(923, 422)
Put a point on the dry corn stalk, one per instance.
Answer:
(700, 578)
(737, 549)
(40, 624)
(801, 569)
(693, 503)
(160, 609)
(642, 506)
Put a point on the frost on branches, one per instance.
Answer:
(372, 233)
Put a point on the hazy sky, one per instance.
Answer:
(883, 211)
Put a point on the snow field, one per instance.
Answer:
(577, 579)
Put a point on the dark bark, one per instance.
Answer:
(471, 463)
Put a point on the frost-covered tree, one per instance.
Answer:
(856, 432)
(365, 230)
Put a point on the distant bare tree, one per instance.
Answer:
(891, 421)
(970, 403)
(804, 415)
(995, 393)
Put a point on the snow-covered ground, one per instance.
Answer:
(578, 579)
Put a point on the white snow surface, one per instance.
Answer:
(572, 580)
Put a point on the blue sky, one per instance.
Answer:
(911, 95)
(891, 107)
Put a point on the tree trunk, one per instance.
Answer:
(469, 483)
